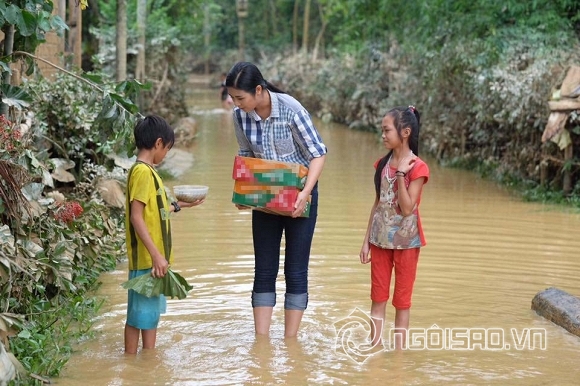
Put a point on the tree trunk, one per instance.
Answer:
(75, 23)
(141, 28)
(320, 35)
(306, 26)
(8, 47)
(275, 27)
(567, 180)
(121, 54)
(241, 39)
(206, 37)
(295, 28)
(62, 9)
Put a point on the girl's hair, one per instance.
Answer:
(246, 76)
(151, 128)
(403, 117)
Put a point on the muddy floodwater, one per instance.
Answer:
(487, 255)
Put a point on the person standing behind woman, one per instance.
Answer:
(226, 99)
(271, 124)
(394, 234)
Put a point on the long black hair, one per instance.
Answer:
(403, 117)
(246, 76)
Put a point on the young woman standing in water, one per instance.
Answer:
(271, 124)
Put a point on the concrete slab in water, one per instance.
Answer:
(559, 307)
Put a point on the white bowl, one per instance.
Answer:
(190, 193)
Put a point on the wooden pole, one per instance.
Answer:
(75, 33)
(567, 180)
(241, 42)
(121, 40)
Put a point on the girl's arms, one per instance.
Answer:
(408, 197)
(364, 251)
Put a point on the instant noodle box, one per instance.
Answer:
(269, 186)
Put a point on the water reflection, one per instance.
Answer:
(487, 255)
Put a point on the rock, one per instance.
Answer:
(326, 117)
(57, 196)
(122, 161)
(176, 162)
(571, 83)
(61, 166)
(185, 131)
(111, 192)
(7, 369)
(556, 122)
(358, 125)
(558, 307)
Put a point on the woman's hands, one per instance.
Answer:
(301, 203)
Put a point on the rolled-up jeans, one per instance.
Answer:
(267, 230)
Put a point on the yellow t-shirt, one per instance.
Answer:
(141, 187)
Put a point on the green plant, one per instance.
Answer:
(80, 124)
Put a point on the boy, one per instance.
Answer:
(148, 228)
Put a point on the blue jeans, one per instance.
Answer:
(267, 232)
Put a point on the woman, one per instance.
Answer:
(271, 124)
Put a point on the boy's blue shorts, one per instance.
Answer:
(143, 312)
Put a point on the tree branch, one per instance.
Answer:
(16, 53)
(93, 85)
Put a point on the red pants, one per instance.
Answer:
(405, 263)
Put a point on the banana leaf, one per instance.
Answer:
(172, 285)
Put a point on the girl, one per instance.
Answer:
(394, 233)
(271, 124)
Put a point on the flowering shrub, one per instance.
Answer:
(10, 139)
(67, 212)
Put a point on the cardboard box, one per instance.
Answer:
(269, 186)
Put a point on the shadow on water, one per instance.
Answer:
(488, 254)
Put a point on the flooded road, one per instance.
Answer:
(487, 255)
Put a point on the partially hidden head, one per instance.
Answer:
(407, 117)
(151, 128)
(246, 76)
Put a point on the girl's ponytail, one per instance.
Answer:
(380, 166)
(414, 137)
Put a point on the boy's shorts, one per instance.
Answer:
(143, 312)
(405, 263)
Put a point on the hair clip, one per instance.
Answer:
(412, 108)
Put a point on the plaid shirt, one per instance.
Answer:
(287, 135)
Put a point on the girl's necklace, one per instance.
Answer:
(390, 196)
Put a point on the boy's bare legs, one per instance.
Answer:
(262, 319)
(401, 327)
(131, 339)
(378, 310)
(292, 319)
(149, 338)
